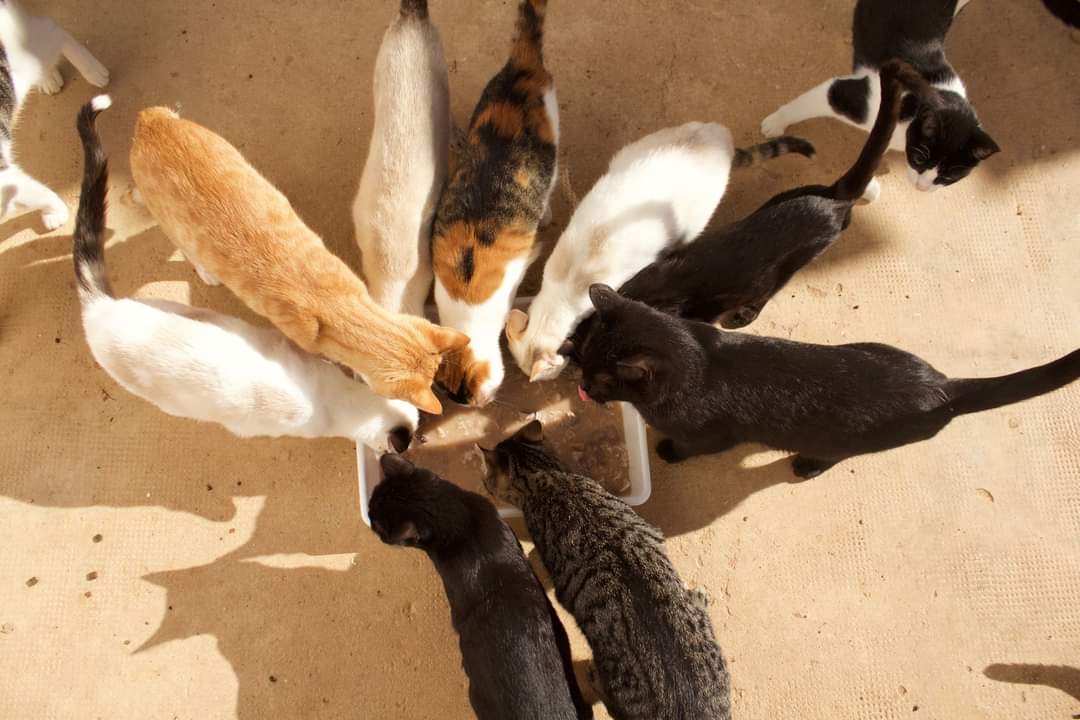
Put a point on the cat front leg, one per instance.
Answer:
(808, 467)
(83, 60)
(52, 81)
(674, 451)
(843, 98)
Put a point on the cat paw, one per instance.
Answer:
(738, 318)
(773, 126)
(807, 468)
(54, 217)
(872, 191)
(52, 82)
(667, 452)
(95, 73)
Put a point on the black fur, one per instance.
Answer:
(89, 252)
(851, 98)
(7, 105)
(709, 390)
(414, 8)
(1067, 11)
(513, 647)
(730, 273)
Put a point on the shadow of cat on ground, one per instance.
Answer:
(1061, 677)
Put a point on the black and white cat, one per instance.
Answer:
(941, 135)
(30, 47)
(710, 390)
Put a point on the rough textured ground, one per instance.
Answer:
(234, 579)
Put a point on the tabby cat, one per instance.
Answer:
(730, 273)
(710, 390)
(655, 656)
(232, 224)
(485, 228)
(513, 646)
(940, 133)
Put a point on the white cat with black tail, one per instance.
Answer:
(941, 135)
(207, 366)
(30, 48)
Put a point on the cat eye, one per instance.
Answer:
(919, 156)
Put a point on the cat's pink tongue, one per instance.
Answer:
(582, 394)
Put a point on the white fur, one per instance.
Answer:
(406, 165)
(814, 103)
(483, 323)
(658, 192)
(33, 46)
(924, 180)
(551, 106)
(207, 366)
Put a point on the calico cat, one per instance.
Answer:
(658, 192)
(207, 366)
(30, 48)
(406, 164)
(513, 646)
(655, 656)
(485, 228)
(730, 273)
(710, 390)
(232, 224)
(940, 133)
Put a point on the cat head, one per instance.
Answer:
(469, 380)
(536, 351)
(945, 142)
(414, 507)
(629, 351)
(499, 478)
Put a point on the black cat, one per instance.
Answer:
(941, 133)
(709, 390)
(513, 646)
(730, 273)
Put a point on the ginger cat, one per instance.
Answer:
(237, 228)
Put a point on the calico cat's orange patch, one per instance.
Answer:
(471, 266)
(507, 119)
(522, 178)
(236, 225)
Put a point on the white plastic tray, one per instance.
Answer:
(369, 474)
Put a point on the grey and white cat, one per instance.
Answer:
(30, 48)
(655, 656)
(940, 133)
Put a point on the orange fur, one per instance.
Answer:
(232, 222)
(507, 119)
(489, 260)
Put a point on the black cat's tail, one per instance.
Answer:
(527, 51)
(970, 395)
(896, 76)
(88, 250)
(745, 157)
(414, 9)
(1067, 11)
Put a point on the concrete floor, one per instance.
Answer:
(234, 578)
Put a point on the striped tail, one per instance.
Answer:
(88, 250)
(414, 9)
(528, 48)
(745, 157)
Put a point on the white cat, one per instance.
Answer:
(407, 162)
(207, 366)
(30, 47)
(657, 192)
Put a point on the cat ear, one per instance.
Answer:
(603, 297)
(981, 145)
(425, 400)
(516, 323)
(928, 123)
(405, 534)
(394, 465)
(445, 339)
(637, 368)
(533, 433)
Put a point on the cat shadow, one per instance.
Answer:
(686, 498)
(1061, 677)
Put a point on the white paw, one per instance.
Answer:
(872, 191)
(52, 82)
(773, 125)
(95, 73)
(207, 277)
(54, 217)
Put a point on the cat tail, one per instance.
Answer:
(527, 51)
(745, 157)
(969, 395)
(896, 75)
(88, 252)
(1067, 11)
(414, 9)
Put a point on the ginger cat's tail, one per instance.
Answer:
(88, 250)
(528, 48)
(745, 157)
